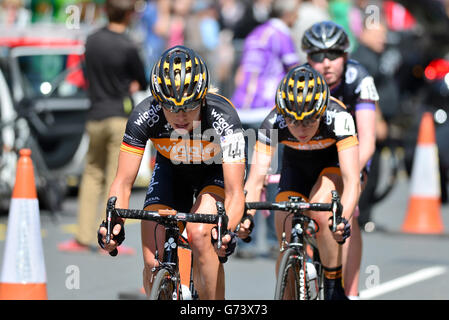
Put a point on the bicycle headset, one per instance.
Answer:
(302, 94)
(325, 35)
(179, 79)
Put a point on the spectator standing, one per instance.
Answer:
(372, 53)
(269, 52)
(155, 22)
(310, 12)
(114, 71)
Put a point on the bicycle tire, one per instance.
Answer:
(291, 261)
(165, 287)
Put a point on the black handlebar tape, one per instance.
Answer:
(287, 205)
(261, 206)
(320, 206)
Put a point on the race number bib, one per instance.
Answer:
(233, 146)
(344, 124)
(368, 89)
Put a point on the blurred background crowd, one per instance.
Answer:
(407, 54)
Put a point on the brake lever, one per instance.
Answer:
(222, 226)
(336, 210)
(110, 208)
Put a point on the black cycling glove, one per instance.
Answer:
(346, 231)
(230, 246)
(251, 226)
(117, 238)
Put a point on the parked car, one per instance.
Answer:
(44, 92)
(42, 66)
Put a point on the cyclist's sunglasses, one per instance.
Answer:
(186, 107)
(308, 123)
(330, 54)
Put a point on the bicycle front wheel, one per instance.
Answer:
(291, 283)
(165, 287)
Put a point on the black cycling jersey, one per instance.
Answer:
(302, 163)
(336, 130)
(186, 166)
(218, 138)
(357, 88)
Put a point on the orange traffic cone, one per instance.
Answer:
(423, 214)
(23, 274)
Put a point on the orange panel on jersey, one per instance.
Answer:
(186, 150)
(311, 145)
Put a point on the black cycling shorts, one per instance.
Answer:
(177, 185)
(301, 169)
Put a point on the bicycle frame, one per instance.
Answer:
(299, 238)
(169, 219)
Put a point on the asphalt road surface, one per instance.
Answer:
(395, 265)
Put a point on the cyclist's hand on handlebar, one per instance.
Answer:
(246, 227)
(117, 236)
(343, 230)
(229, 242)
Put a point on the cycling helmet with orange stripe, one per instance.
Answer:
(302, 94)
(179, 79)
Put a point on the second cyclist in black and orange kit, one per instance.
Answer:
(200, 155)
(320, 155)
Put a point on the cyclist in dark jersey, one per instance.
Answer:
(326, 44)
(200, 155)
(320, 155)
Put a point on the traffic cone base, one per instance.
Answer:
(423, 216)
(19, 291)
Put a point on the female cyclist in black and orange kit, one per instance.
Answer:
(320, 155)
(200, 155)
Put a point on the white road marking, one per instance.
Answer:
(403, 281)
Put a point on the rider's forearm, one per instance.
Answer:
(255, 182)
(234, 205)
(350, 197)
(123, 193)
(366, 149)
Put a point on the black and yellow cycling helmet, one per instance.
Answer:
(179, 79)
(325, 35)
(302, 94)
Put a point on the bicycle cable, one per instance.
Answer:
(156, 252)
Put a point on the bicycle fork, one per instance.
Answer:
(170, 258)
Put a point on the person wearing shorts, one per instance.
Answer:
(326, 44)
(320, 155)
(200, 160)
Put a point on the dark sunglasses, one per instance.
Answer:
(308, 123)
(330, 54)
(186, 107)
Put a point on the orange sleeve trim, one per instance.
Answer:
(338, 102)
(236, 161)
(131, 149)
(263, 148)
(347, 143)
